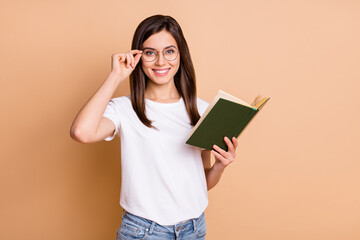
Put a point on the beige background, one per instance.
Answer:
(296, 175)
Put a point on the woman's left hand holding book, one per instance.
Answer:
(224, 158)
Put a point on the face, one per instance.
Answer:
(160, 71)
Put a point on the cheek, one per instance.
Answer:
(143, 65)
(146, 68)
(176, 65)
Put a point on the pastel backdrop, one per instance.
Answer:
(296, 175)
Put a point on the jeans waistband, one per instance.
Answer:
(147, 223)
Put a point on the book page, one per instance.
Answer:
(260, 103)
(224, 95)
(256, 100)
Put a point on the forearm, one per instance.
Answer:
(213, 176)
(90, 115)
(222, 160)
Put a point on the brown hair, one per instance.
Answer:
(184, 78)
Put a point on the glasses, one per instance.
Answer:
(169, 53)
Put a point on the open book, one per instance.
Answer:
(225, 116)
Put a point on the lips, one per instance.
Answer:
(161, 72)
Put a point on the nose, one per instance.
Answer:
(160, 60)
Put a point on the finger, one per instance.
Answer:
(235, 142)
(229, 144)
(135, 51)
(121, 59)
(220, 150)
(220, 157)
(137, 58)
(132, 61)
(115, 56)
(128, 59)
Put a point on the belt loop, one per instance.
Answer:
(123, 212)
(194, 223)
(151, 228)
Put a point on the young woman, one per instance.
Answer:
(164, 181)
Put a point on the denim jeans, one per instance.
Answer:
(134, 227)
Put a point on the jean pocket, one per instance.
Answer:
(200, 233)
(201, 228)
(130, 230)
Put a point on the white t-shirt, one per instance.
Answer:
(163, 178)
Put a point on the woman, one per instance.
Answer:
(164, 181)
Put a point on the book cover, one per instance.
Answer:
(227, 116)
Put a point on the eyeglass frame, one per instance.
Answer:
(157, 53)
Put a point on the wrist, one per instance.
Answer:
(115, 77)
(218, 167)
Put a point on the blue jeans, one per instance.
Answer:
(134, 227)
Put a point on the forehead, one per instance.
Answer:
(160, 40)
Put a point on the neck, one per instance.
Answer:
(162, 93)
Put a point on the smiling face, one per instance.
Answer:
(160, 71)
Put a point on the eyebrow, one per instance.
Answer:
(158, 50)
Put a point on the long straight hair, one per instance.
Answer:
(184, 78)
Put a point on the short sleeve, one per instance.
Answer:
(202, 106)
(112, 113)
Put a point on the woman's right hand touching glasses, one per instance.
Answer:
(124, 63)
(89, 124)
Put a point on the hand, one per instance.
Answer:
(223, 158)
(124, 63)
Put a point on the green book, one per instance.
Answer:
(226, 116)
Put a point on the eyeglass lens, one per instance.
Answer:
(169, 54)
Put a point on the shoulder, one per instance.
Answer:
(120, 101)
(202, 105)
(201, 102)
(119, 104)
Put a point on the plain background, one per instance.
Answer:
(296, 175)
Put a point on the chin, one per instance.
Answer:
(160, 81)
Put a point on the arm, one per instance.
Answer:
(89, 125)
(222, 160)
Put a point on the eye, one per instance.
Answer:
(170, 51)
(149, 52)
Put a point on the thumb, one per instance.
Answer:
(137, 58)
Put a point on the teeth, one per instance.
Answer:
(162, 71)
